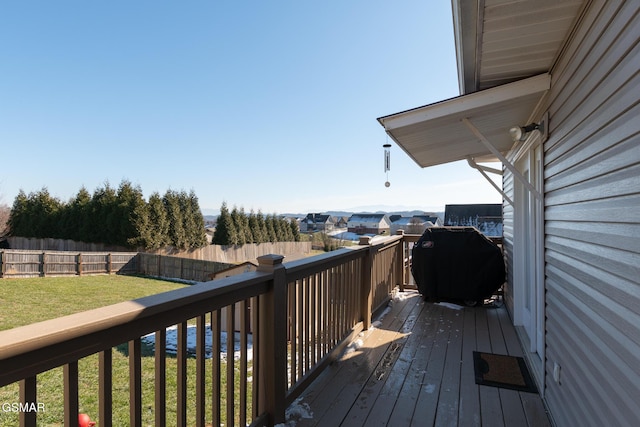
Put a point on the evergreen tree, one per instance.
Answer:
(177, 233)
(18, 218)
(193, 221)
(158, 225)
(271, 229)
(264, 230)
(103, 221)
(225, 233)
(44, 212)
(241, 237)
(295, 230)
(248, 233)
(280, 232)
(286, 230)
(256, 228)
(77, 216)
(129, 203)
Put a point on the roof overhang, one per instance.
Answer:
(437, 133)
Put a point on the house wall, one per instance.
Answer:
(592, 221)
(508, 236)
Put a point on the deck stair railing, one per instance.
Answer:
(289, 321)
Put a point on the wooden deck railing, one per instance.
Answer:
(303, 314)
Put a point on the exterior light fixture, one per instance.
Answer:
(520, 133)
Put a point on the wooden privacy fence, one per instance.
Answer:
(19, 263)
(305, 312)
(178, 267)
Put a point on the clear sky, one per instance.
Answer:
(268, 105)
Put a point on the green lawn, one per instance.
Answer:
(31, 300)
(24, 301)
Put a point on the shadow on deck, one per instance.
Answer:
(415, 367)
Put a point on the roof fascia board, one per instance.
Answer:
(468, 18)
(460, 104)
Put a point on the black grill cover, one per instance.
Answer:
(457, 263)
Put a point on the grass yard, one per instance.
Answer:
(31, 300)
(24, 301)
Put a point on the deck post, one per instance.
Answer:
(272, 330)
(366, 287)
(400, 277)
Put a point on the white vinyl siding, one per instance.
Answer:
(592, 229)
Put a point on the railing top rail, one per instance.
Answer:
(322, 261)
(52, 251)
(300, 268)
(30, 349)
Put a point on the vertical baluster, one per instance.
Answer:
(243, 362)
(327, 310)
(181, 360)
(28, 395)
(135, 383)
(70, 374)
(351, 289)
(161, 378)
(200, 370)
(255, 370)
(300, 332)
(293, 336)
(334, 307)
(231, 314)
(307, 326)
(215, 368)
(314, 320)
(339, 278)
(106, 388)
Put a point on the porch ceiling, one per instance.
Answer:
(500, 41)
(505, 52)
(435, 133)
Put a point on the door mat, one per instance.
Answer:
(497, 370)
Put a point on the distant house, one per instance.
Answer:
(369, 224)
(341, 222)
(485, 217)
(317, 222)
(416, 224)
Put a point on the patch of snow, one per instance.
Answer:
(376, 324)
(172, 342)
(355, 345)
(430, 388)
(450, 305)
(401, 296)
(297, 411)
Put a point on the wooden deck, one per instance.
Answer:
(415, 367)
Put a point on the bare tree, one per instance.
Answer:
(5, 211)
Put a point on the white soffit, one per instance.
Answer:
(435, 134)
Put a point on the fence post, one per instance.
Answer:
(44, 263)
(366, 288)
(79, 263)
(3, 264)
(109, 263)
(272, 330)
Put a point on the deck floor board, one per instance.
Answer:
(415, 367)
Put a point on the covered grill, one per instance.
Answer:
(457, 263)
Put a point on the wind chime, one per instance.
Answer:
(387, 162)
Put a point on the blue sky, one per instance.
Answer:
(268, 105)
